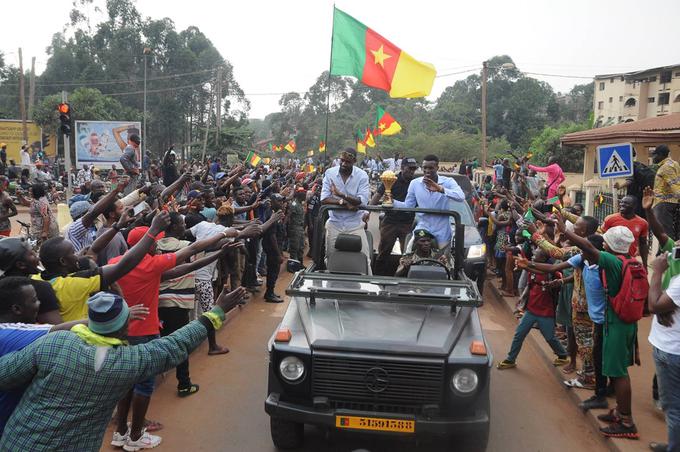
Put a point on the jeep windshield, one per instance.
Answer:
(318, 286)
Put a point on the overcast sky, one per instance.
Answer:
(279, 46)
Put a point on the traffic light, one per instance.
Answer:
(65, 118)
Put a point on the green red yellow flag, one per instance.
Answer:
(253, 158)
(290, 147)
(266, 160)
(322, 146)
(271, 148)
(386, 124)
(368, 139)
(360, 52)
(553, 200)
(309, 168)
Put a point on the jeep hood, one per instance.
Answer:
(382, 327)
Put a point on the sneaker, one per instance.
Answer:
(594, 403)
(505, 364)
(146, 441)
(612, 417)
(560, 361)
(619, 430)
(658, 447)
(120, 440)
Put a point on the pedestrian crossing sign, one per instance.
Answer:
(615, 160)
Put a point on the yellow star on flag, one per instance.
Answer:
(379, 56)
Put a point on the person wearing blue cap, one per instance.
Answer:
(19, 310)
(95, 368)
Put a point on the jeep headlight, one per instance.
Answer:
(291, 368)
(464, 381)
(476, 251)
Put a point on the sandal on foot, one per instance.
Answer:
(185, 392)
(560, 361)
(218, 351)
(578, 384)
(619, 430)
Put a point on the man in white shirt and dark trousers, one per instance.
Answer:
(346, 185)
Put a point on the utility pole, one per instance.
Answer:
(485, 76)
(31, 90)
(146, 51)
(207, 127)
(218, 109)
(22, 99)
(67, 152)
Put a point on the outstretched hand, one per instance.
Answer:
(559, 222)
(647, 198)
(138, 312)
(228, 300)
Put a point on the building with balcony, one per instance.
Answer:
(631, 96)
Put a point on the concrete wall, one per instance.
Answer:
(621, 90)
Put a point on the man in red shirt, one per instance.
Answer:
(141, 286)
(637, 225)
(541, 311)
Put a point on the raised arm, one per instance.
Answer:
(101, 205)
(590, 253)
(201, 245)
(660, 302)
(655, 226)
(113, 272)
(172, 188)
(183, 269)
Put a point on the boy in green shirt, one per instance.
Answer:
(619, 337)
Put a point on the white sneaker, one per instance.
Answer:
(120, 440)
(146, 441)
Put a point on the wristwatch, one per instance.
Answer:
(341, 202)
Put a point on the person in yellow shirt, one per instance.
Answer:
(74, 287)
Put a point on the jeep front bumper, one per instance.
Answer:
(438, 426)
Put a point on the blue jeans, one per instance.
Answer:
(143, 388)
(547, 327)
(668, 374)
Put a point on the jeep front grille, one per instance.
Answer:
(377, 381)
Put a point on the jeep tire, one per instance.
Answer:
(286, 434)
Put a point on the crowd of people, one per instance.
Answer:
(156, 254)
(584, 284)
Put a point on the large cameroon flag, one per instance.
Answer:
(360, 52)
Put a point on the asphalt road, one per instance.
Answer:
(529, 410)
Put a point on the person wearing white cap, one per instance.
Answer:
(618, 347)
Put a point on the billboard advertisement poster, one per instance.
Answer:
(101, 143)
(11, 134)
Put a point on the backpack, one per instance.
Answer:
(629, 303)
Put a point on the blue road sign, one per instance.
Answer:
(615, 160)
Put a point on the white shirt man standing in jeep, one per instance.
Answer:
(346, 185)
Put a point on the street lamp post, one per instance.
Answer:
(485, 76)
(146, 52)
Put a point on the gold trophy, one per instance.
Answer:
(388, 178)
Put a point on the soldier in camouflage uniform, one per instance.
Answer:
(296, 225)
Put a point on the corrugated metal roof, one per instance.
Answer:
(661, 127)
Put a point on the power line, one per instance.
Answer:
(560, 75)
(112, 82)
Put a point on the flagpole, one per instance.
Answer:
(328, 98)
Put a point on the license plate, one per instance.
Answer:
(374, 423)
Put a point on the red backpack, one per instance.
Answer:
(629, 303)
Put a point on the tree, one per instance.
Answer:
(547, 143)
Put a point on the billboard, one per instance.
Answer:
(12, 135)
(101, 143)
